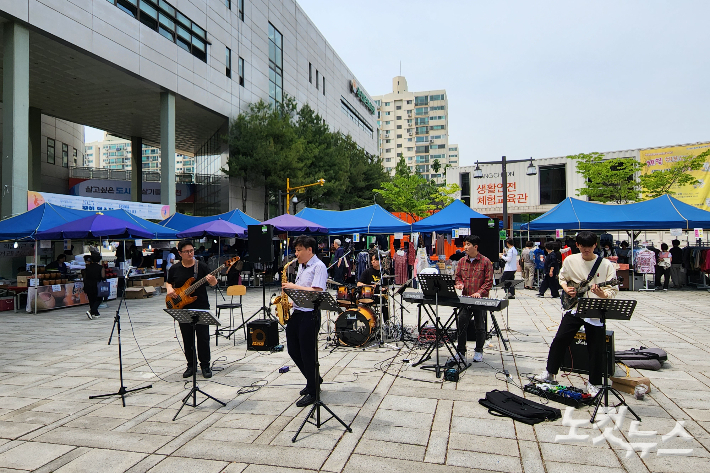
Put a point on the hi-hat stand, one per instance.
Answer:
(603, 309)
(315, 300)
(507, 284)
(122, 391)
(194, 318)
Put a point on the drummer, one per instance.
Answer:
(372, 277)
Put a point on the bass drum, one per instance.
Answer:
(357, 326)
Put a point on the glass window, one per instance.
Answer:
(167, 7)
(128, 6)
(241, 9)
(317, 79)
(183, 19)
(197, 30)
(553, 184)
(310, 73)
(423, 100)
(228, 61)
(50, 150)
(241, 72)
(228, 3)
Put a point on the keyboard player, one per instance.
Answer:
(474, 275)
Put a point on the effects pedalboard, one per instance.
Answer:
(568, 395)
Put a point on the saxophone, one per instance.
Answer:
(283, 306)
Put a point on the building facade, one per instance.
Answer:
(116, 153)
(171, 74)
(415, 125)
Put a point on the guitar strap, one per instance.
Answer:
(594, 270)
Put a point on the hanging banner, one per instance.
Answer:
(139, 209)
(356, 237)
(661, 159)
(121, 190)
(559, 233)
(454, 233)
(398, 235)
(698, 232)
(676, 232)
(464, 231)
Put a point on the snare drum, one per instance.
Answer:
(366, 295)
(356, 326)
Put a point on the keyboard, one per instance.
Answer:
(489, 304)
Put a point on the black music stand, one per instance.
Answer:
(194, 318)
(315, 300)
(439, 286)
(122, 391)
(603, 309)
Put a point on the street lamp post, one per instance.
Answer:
(319, 182)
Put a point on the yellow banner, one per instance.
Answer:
(660, 159)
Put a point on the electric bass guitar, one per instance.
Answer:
(568, 302)
(183, 295)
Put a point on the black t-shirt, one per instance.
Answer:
(676, 255)
(370, 276)
(178, 276)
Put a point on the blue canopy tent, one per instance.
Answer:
(182, 222)
(663, 212)
(371, 219)
(455, 215)
(42, 217)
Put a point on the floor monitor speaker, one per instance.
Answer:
(576, 358)
(262, 335)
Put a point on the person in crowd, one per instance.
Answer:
(623, 253)
(510, 256)
(607, 250)
(551, 271)
(663, 267)
(93, 274)
(474, 277)
(338, 261)
(301, 331)
(577, 268)
(59, 264)
(528, 265)
(178, 275)
(676, 264)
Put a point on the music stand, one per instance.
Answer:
(315, 300)
(122, 391)
(603, 309)
(439, 286)
(194, 318)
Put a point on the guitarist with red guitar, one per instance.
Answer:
(582, 275)
(178, 275)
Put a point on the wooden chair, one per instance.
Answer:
(232, 291)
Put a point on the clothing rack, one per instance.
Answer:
(703, 280)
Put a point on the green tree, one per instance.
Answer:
(608, 180)
(659, 183)
(401, 169)
(436, 165)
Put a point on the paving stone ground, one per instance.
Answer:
(403, 418)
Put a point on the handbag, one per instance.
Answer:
(104, 288)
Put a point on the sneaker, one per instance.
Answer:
(541, 295)
(665, 289)
(544, 377)
(206, 372)
(477, 356)
(97, 315)
(89, 315)
(188, 372)
(592, 390)
(456, 359)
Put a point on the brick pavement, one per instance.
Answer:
(402, 417)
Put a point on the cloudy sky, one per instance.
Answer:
(537, 78)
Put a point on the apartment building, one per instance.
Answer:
(116, 153)
(416, 126)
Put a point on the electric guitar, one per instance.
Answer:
(183, 295)
(568, 302)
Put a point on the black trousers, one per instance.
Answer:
(551, 282)
(203, 343)
(665, 273)
(509, 276)
(462, 321)
(569, 326)
(94, 301)
(301, 344)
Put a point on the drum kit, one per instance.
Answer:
(364, 315)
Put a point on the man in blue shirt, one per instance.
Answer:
(301, 331)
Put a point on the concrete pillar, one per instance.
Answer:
(167, 150)
(15, 127)
(35, 149)
(136, 169)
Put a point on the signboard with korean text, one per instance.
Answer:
(661, 159)
(698, 232)
(121, 190)
(139, 209)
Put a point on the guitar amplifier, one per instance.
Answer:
(262, 335)
(576, 358)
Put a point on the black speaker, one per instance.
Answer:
(261, 247)
(487, 229)
(576, 357)
(262, 335)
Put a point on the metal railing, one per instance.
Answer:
(124, 175)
